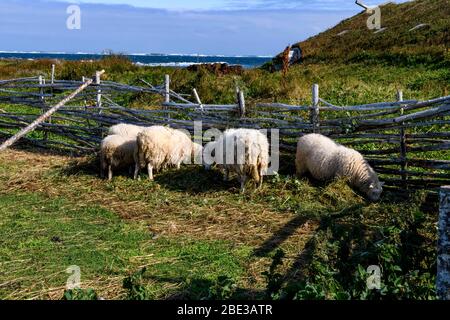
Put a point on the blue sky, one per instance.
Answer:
(223, 27)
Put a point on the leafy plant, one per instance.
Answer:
(134, 287)
(273, 278)
(80, 294)
(222, 289)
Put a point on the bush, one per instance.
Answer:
(134, 287)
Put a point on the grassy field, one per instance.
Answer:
(198, 237)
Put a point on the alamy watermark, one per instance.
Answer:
(374, 21)
(373, 282)
(74, 280)
(73, 21)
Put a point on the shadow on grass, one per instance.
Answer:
(191, 179)
(207, 289)
(194, 180)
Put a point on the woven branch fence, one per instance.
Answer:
(406, 141)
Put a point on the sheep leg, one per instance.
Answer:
(226, 175)
(137, 168)
(300, 168)
(243, 181)
(260, 180)
(102, 171)
(110, 173)
(150, 171)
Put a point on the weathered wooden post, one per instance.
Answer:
(241, 103)
(99, 91)
(53, 74)
(167, 89)
(403, 150)
(314, 113)
(83, 80)
(42, 99)
(443, 259)
(238, 108)
(41, 89)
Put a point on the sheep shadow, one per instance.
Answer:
(295, 273)
(189, 178)
(89, 165)
(198, 288)
(194, 180)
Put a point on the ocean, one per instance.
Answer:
(168, 60)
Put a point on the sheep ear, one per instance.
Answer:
(382, 184)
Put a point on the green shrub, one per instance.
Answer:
(80, 294)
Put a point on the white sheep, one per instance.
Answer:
(126, 130)
(242, 151)
(325, 159)
(116, 151)
(159, 147)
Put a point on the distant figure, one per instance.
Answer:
(286, 58)
(295, 55)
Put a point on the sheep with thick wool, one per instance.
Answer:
(325, 159)
(125, 129)
(116, 151)
(242, 151)
(159, 147)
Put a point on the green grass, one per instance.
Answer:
(43, 236)
(198, 238)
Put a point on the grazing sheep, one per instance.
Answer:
(125, 130)
(116, 151)
(159, 147)
(242, 151)
(324, 160)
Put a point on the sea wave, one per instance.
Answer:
(183, 64)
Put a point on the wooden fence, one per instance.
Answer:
(407, 141)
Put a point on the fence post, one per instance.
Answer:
(88, 123)
(241, 103)
(41, 92)
(167, 88)
(443, 259)
(99, 91)
(238, 108)
(53, 73)
(314, 113)
(403, 150)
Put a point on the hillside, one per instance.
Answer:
(412, 32)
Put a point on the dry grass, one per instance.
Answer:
(222, 215)
(187, 227)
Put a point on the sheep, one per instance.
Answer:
(159, 147)
(249, 153)
(324, 160)
(116, 151)
(126, 130)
